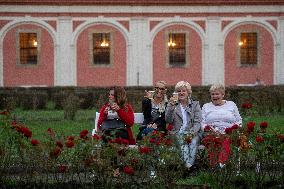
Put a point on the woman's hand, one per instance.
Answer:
(115, 107)
(172, 101)
(106, 110)
(154, 126)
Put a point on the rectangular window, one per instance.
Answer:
(177, 49)
(248, 48)
(101, 48)
(28, 47)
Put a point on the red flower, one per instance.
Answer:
(71, 138)
(97, 137)
(56, 152)
(34, 142)
(235, 126)
(263, 125)
(168, 142)
(145, 150)
(128, 170)
(280, 137)
(152, 140)
(14, 123)
(246, 105)
(170, 127)
(69, 143)
(250, 126)
(84, 133)
(59, 144)
(259, 139)
(50, 132)
(229, 130)
(62, 168)
(25, 131)
(5, 113)
(207, 128)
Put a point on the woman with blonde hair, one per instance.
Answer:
(153, 109)
(185, 116)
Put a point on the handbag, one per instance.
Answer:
(112, 124)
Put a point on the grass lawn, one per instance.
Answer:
(40, 121)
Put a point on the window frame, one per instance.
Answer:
(91, 47)
(166, 37)
(18, 58)
(258, 46)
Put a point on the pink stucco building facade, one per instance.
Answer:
(138, 48)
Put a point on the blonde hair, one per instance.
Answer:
(182, 84)
(161, 82)
(217, 87)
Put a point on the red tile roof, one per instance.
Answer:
(142, 2)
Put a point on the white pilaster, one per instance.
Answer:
(279, 67)
(139, 67)
(213, 67)
(65, 68)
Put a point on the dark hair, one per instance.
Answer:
(120, 96)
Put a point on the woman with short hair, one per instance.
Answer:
(218, 116)
(185, 116)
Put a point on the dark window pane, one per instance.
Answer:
(101, 48)
(177, 49)
(28, 48)
(248, 48)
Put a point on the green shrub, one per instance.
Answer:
(70, 106)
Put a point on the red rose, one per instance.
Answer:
(62, 168)
(207, 128)
(170, 127)
(59, 144)
(128, 170)
(84, 133)
(228, 131)
(235, 126)
(25, 131)
(246, 105)
(259, 139)
(5, 113)
(97, 137)
(152, 140)
(280, 137)
(69, 144)
(250, 126)
(168, 142)
(71, 138)
(50, 132)
(145, 150)
(56, 152)
(263, 125)
(34, 142)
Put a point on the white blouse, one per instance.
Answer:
(221, 117)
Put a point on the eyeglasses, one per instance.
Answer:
(161, 89)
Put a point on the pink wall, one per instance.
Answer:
(192, 73)
(247, 75)
(15, 75)
(87, 74)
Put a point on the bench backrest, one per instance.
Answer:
(138, 119)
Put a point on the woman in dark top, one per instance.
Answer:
(153, 108)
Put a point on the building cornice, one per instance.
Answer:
(142, 2)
